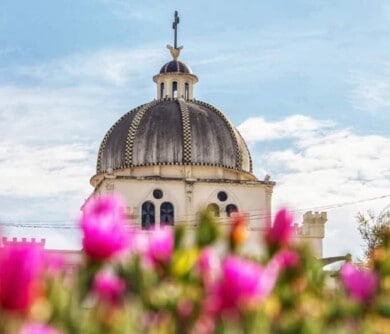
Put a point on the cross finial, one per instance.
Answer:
(174, 26)
(175, 51)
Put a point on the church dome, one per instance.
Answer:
(173, 131)
(175, 66)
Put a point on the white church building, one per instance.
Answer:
(175, 155)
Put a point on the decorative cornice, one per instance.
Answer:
(192, 76)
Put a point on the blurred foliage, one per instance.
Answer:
(188, 293)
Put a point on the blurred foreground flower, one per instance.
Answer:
(38, 329)
(281, 232)
(360, 284)
(109, 287)
(160, 245)
(239, 231)
(287, 258)
(104, 229)
(209, 266)
(21, 267)
(244, 282)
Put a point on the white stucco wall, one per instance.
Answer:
(189, 197)
(191, 188)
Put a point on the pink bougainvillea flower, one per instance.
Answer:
(209, 265)
(21, 267)
(244, 282)
(37, 328)
(109, 287)
(160, 245)
(139, 241)
(360, 284)
(281, 232)
(287, 258)
(104, 227)
(55, 264)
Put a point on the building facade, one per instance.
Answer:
(174, 156)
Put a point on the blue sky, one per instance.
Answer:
(306, 82)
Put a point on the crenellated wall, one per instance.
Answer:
(23, 241)
(312, 230)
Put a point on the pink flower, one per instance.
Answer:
(139, 241)
(38, 329)
(244, 282)
(160, 245)
(21, 267)
(287, 258)
(104, 227)
(282, 231)
(55, 264)
(109, 287)
(209, 265)
(360, 284)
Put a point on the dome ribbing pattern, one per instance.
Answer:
(173, 132)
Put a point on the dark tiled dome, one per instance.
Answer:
(175, 66)
(173, 132)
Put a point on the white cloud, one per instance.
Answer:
(50, 107)
(297, 126)
(322, 165)
(33, 172)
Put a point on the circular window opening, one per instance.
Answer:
(222, 196)
(157, 193)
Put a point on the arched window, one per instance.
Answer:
(230, 209)
(186, 91)
(214, 209)
(148, 216)
(162, 90)
(174, 89)
(167, 214)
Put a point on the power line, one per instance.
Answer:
(259, 214)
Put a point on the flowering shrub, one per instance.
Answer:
(164, 281)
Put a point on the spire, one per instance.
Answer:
(175, 51)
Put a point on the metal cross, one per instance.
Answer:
(174, 27)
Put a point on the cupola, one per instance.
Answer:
(175, 79)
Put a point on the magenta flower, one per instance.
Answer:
(104, 227)
(160, 245)
(55, 264)
(287, 258)
(244, 282)
(21, 267)
(282, 231)
(109, 287)
(360, 284)
(37, 328)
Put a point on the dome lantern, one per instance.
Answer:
(175, 79)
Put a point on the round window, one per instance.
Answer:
(157, 193)
(222, 196)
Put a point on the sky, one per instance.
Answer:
(306, 82)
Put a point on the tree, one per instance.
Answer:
(374, 229)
